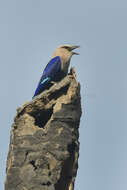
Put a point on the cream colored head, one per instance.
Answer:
(65, 52)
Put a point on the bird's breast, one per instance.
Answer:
(64, 67)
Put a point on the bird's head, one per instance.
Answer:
(65, 52)
(68, 49)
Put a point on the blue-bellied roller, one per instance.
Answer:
(57, 68)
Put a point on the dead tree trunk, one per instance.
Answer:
(44, 147)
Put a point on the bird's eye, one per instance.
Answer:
(66, 47)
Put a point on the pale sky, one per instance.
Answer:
(30, 30)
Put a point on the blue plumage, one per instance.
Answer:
(50, 73)
(57, 68)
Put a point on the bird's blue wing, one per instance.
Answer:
(52, 67)
(49, 73)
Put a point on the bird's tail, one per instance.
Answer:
(45, 84)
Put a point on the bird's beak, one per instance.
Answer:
(74, 47)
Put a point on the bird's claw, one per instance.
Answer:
(52, 82)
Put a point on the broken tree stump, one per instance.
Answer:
(44, 146)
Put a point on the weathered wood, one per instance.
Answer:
(44, 146)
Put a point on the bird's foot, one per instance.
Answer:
(52, 82)
(70, 76)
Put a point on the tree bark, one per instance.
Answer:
(44, 146)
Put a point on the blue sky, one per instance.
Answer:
(29, 32)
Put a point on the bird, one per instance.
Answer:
(57, 67)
